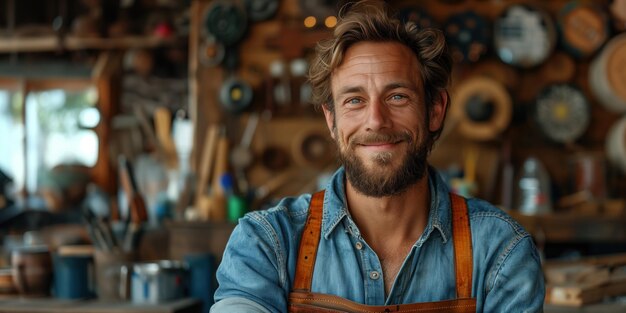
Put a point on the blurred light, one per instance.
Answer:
(92, 95)
(310, 21)
(330, 21)
(89, 117)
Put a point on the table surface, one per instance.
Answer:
(13, 304)
(51, 305)
(595, 308)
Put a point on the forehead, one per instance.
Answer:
(378, 58)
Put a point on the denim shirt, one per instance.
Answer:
(258, 267)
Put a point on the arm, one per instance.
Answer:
(517, 283)
(252, 274)
(234, 305)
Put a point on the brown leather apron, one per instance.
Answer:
(301, 299)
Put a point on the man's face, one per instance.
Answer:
(380, 123)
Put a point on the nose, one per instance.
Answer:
(378, 116)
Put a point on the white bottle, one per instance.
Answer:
(533, 188)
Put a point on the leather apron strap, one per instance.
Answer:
(462, 239)
(303, 300)
(308, 244)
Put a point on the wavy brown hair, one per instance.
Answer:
(372, 21)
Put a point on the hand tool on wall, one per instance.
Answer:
(206, 169)
(163, 126)
(241, 157)
(217, 211)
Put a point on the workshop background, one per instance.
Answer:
(134, 134)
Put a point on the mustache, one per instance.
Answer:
(370, 138)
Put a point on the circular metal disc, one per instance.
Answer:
(235, 95)
(524, 36)
(562, 112)
(227, 22)
(261, 10)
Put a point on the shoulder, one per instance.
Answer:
(485, 215)
(267, 238)
(290, 210)
(283, 219)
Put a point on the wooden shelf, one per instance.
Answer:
(52, 43)
(573, 228)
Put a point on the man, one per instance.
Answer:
(385, 235)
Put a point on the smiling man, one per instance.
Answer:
(385, 235)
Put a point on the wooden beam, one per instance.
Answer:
(52, 43)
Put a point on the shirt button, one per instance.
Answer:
(359, 245)
(374, 275)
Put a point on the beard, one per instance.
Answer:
(384, 179)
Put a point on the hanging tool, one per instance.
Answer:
(163, 126)
(137, 207)
(241, 156)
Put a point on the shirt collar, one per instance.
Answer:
(439, 217)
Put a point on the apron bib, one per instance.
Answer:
(301, 299)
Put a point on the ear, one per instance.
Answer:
(330, 120)
(438, 111)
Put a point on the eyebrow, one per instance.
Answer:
(357, 89)
(350, 89)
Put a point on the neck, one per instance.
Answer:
(394, 220)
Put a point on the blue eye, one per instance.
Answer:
(397, 97)
(354, 101)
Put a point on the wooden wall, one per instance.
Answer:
(256, 53)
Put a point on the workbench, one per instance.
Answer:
(52, 305)
(595, 308)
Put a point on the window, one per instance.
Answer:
(53, 125)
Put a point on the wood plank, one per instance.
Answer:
(573, 228)
(52, 43)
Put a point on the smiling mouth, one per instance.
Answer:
(381, 141)
(379, 145)
(375, 144)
